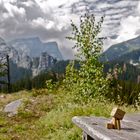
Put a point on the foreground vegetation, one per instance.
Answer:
(47, 116)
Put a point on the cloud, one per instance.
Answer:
(128, 28)
(138, 8)
(47, 24)
(50, 19)
(14, 10)
(28, 4)
(8, 1)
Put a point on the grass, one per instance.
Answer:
(47, 116)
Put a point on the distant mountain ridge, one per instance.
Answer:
(122, 50)
(54, 51)
(34, 47)
(31, 53)
(8, 49)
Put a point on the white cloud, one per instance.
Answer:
(50, 19)
(28, 3)
(138, 9)
(8, 1)
(103, 5)
(5, 16)
(128, 28)
(14, 10)
(125, 3)
(42, 22)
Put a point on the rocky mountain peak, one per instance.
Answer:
(52, 49)
(31, 53)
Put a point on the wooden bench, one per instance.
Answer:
(94, 128)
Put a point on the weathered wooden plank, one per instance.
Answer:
(129, 131)
(132, 129)
(135, 117)
(95, 127)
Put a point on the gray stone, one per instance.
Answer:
(2, 96)
(12, 108)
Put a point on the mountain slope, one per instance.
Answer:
(118, 50)
(31, 53)
(27, 57)
(6, 49)
(29, 46)
(33, 47)
(131, 56)
(16, 72)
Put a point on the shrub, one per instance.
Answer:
(89, 80)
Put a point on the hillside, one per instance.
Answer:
(118, 50)
(47, 115)
(29, 56)
(127, 53)
(16, 72)
(132, 57)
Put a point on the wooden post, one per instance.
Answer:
(86, 137)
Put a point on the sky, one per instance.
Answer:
(50, 19)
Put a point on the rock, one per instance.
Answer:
(2, 96)
(12, 108)
(15, 137)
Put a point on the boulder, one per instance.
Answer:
(12, 108)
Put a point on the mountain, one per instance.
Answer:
(33, 47)
(8, 49)
(16, 72)
(119, 50)
(132, 57)
(36, 55)
(30, 54)
(52, 50)
(127, 56)
(29, 46)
